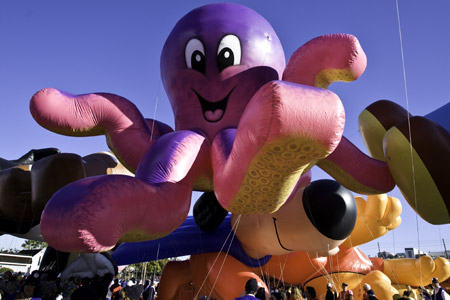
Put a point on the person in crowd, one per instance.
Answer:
(331, 293)
(131, 282)
(123, 295)
(345, 294)
(406, 295)
(123, 282)
(115, 288)
(101, 284)
(275, 295)
(261, 294)
(153, 291)
(369, 294)
(9, 285)
(251, 287)
(145, 292)
(67, 287)
(30, 289)
(310, 293)
(134, 291)
(296, 294)
(412, 293)
(85, 292)
(49, 289)
(424, 293)
(438, 292)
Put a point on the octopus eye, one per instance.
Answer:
(229, 52)
(195, 55)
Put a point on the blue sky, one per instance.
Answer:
(114, 46)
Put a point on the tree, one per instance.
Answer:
(157, 266)
(145, 270)
(9, 251)
(34, 245)
(4, 269)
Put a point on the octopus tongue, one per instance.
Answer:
(213, 115)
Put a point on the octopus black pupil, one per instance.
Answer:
(198, 61)
(225, 58)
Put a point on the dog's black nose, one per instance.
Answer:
(331, 208)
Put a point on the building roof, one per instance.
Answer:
(29, 252)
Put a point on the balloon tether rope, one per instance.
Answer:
(409, 128)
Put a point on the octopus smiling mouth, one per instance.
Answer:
(213, 111)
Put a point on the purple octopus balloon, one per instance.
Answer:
(246, 127)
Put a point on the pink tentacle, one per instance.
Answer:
(171, 158)
(325, 59)
(126, 130)
(93, 214)
(361, 173)
(285, 129)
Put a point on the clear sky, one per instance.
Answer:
(114, 46)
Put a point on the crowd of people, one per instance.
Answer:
(36, 286)
(253, 291)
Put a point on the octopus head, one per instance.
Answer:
(214, 60)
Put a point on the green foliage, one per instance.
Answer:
(4, 269)
(34, 245)
(156, 267)
(145, 270)
(9, 251)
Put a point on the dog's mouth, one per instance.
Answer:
(278, 236)
(213, 111)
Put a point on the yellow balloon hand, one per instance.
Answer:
(375, 217)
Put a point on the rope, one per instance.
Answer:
(322, 270)
(409, 130)
(282, 267)
(154, 112)
(157, 256)
(265, 277)
(330, 259)
(231, 233)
